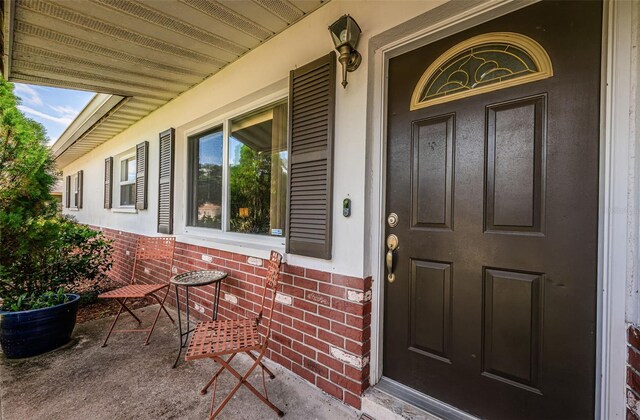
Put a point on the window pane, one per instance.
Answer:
(208, 179)
(258, 172)
(74, 188)
(128, 169)
(128, 195)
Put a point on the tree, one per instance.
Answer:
(250, 187)
(27, 169)
(40, 252)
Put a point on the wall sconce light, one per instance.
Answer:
(345, 33)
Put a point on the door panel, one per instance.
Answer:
(515, 162)
(494, 305)
(432, 172)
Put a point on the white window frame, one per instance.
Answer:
(223, 235)
(116, 206)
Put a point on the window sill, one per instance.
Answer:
(124, 210)
(73, 209)
(252, 246)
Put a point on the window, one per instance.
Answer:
(243, 190)
(75, 190)
(127, 181)
(481, 64)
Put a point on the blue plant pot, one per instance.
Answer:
(29, 333)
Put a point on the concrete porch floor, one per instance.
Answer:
(127, 380)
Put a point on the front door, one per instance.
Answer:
(493, 138)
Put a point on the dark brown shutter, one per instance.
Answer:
(68, 192)
(165, 186)
(108, 182)
(142, 158)
(79, 188)
(311, 118)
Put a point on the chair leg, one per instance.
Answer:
(157, 315)
(113, 324)
(129, 310)
(242, 380)
(264, 368)
(204, 390)
(162, 304)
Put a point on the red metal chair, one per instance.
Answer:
(147, 248)
(214, 339)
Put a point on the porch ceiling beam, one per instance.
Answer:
(8, 13)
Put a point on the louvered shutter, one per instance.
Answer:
(79, 188)
(108, 182)
(165, 187)
(142, 154)
(68, 192)
(311, 119)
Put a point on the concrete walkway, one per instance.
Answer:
(127, 380)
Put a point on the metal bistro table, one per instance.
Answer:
(195, 279)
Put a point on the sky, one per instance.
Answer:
(52, 107)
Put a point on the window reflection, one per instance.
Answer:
(258, 172)
(207, 154)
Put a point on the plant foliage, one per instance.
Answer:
(41, 252)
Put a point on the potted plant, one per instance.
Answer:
(42, 253)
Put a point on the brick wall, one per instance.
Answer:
(633, 373)
(321, 325)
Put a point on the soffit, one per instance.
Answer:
(147, 51)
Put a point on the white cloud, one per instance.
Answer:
(65, 110)
(65, 119)
(28, 94)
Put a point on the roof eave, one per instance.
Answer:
(98, 108)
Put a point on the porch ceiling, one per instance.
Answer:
(147, 51)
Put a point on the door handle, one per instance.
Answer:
(392, 245)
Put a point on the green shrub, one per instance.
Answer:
(40, 252)
(50, 253)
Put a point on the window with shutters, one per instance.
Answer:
(238, 173)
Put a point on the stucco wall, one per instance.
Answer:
(261, 72)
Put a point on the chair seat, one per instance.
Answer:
(217, 338)
(133, 291)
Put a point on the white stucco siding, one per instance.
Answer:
(265, 68)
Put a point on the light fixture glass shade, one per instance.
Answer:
(345, 31)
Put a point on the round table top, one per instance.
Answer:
(198, 278)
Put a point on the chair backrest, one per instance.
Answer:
(270, 283)
(154, 248)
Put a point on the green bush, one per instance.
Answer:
(50, 253)
(41, 253)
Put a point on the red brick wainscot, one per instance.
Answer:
(321, 327)
(633, 373)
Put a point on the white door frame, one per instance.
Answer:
(617, 190)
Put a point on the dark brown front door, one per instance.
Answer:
(493, 307)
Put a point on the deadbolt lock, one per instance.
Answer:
(392, 220)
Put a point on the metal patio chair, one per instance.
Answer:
(214, 339)
(147, 248)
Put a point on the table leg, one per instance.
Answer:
(216, 300)
(186, 291)
(180, 345)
